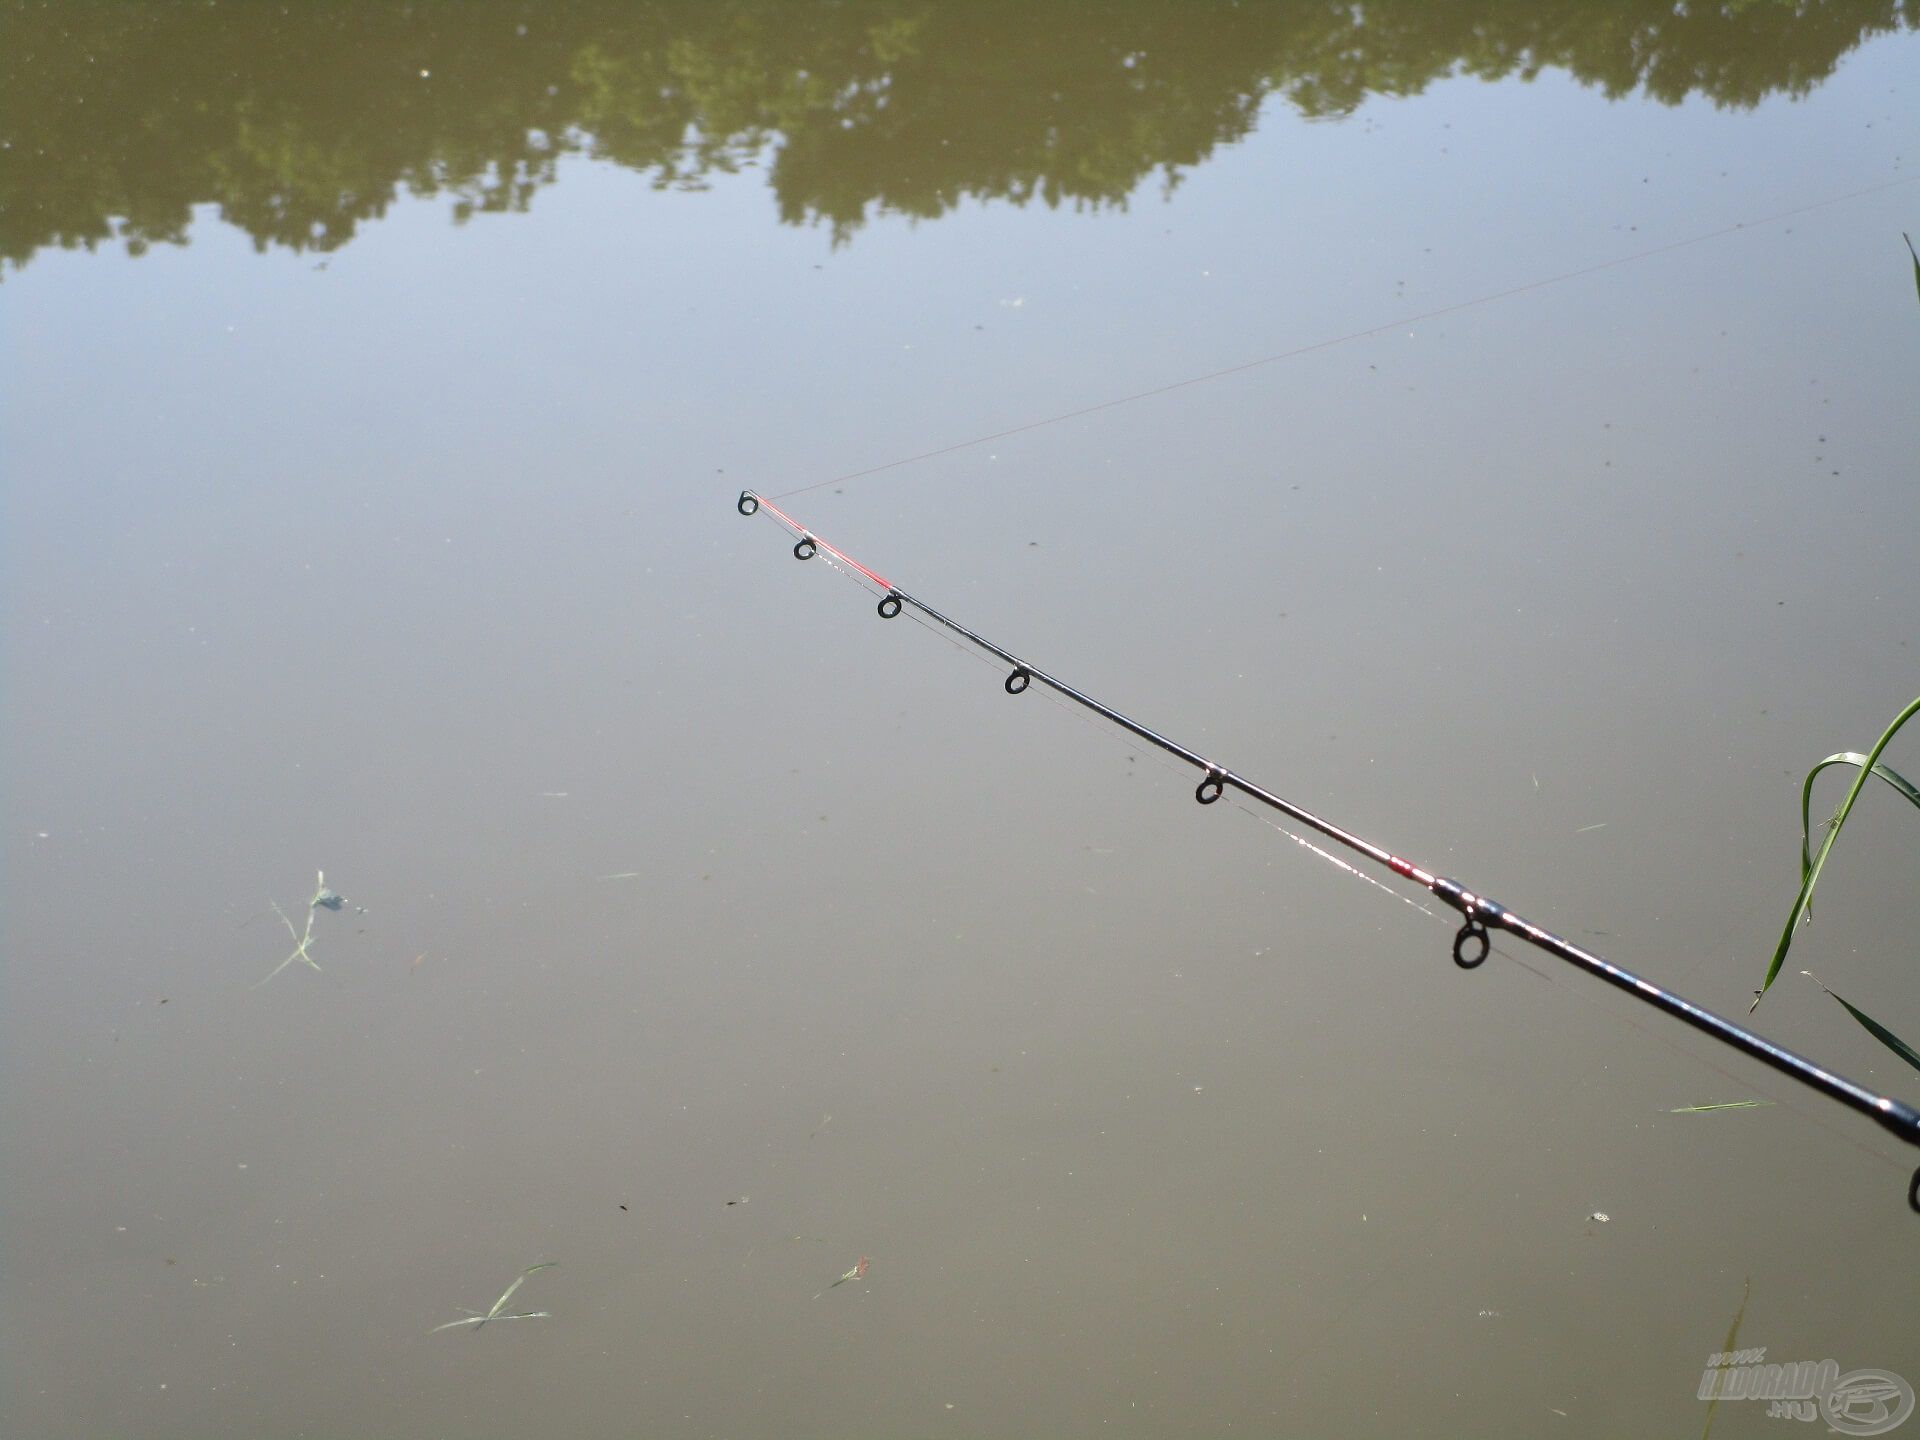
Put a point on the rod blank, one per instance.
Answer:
(1479, 914)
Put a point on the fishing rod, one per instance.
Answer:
(1480, 915)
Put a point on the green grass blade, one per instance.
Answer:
(1916, 260)
(501, 1303)
(1812, 875)
(1893, 777)
(1872, 1026)
(477, 1320)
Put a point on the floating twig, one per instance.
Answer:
(858, 1272)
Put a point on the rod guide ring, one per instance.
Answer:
(1211, 788)
(748, 502)
(890, 606)
(1019, 680)
(1471, 931)
(1913, 1192)
(805, 549)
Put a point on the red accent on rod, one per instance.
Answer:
(835, 550)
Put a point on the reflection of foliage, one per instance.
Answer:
(301, 122)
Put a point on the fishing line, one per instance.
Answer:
(1481, 916)
(1308, 349)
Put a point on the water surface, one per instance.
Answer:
(379, 380)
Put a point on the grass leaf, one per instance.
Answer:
(477, 1320)
(1849, 757)
(1810, 874)
(1872, 1026)
(1916, 260)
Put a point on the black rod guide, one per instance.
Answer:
(1480, 915)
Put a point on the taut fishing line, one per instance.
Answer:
(1382, 329)
(1480, 916)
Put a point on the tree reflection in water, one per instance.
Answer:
(302, 122)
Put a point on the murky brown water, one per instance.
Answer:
(379, 380)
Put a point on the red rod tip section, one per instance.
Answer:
(801, 530)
